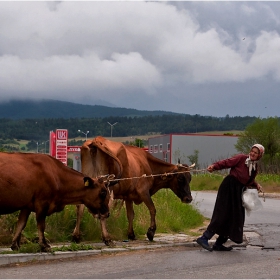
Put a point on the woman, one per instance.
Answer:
(229, 215)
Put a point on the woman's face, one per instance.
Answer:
(254, 154)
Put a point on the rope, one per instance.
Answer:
(152, 175)
(112, 176)
(261, 191)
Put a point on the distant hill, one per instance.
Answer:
(45, 109)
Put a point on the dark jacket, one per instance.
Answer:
(238, 169)
(229, 215)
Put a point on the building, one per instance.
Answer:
(207, 148)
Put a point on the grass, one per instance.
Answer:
(206, 182)
(212, 181)
(172, 216)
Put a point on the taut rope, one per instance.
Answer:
(112, 176)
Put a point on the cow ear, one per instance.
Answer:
(88, 182)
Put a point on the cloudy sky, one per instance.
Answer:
(207, 58)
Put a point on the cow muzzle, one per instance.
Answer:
(187, 199)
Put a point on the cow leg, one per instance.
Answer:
(22, 220)
(105, 235)
(76, 235)
(41, 224)
(130, 217)
(152, 229)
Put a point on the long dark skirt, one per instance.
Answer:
(229, 215)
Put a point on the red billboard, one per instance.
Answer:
(61, 136)
(73, 149)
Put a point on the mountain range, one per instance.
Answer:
(46, 109)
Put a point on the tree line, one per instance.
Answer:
(253, 130)
(38, 129)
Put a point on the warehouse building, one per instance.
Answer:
(205, 148)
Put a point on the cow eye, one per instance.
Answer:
(103, 193)
(181, 178)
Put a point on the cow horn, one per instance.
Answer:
(103, 176)
(192, 166)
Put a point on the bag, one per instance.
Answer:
(251, 201)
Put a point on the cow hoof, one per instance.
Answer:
(131, 236)
(150, 234)
(46, 249)
(110, 243)
(15, 247)
(76, 238)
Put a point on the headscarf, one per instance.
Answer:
(260, 148)
(252, 163)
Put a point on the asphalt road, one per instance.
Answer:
(260, 259)
(204, 201)
(174, 263)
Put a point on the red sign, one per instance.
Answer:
(61, 145)
(72, 149)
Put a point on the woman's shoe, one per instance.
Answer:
(217, 247)
(203, 242)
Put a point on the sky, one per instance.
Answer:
(211, 58)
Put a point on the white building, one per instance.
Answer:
(209, 148)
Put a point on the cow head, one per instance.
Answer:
(98, 196)
(181, 186)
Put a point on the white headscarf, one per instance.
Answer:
(252, 163)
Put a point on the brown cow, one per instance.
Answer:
(101, 156)
(42, 184)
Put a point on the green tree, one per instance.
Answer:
(179, 158)
(70, 162)
(265, 132)
(137, 142)
(31, 145)
(194, 158)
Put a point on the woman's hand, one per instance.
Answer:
(210, 168)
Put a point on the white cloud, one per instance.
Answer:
(146, 50)
(248, 10)
(75, 72)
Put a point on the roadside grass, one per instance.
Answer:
(212, 181)
(206, 182)
(172, 216)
